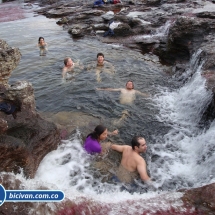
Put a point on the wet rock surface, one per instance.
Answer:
(25, 137)
(172, 29)
(9, 59)
(190, 27)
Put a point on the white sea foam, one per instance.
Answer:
(186, 149)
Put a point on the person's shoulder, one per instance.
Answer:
(128, 148)
(91, 139)
(123, 90)
(140, 160)
(64, 69)
(106, 62)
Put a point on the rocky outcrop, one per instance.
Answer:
(9, 59)
(196, 201)
(202, 199)
(185, 36)
(25, 137)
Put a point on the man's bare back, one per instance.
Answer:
(131, 159)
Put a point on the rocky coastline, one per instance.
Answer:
(26, 136)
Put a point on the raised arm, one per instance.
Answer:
(115, 132)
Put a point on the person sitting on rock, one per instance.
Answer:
(116, 1)
(98, 3)
(112, 26)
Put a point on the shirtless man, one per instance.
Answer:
(131, 160)
(100, 59)
(69, 66)
(101, 66)
(128, 94)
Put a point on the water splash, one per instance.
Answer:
(159, 33)
(70, 166)
(184, 151)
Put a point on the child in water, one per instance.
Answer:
(42, 46)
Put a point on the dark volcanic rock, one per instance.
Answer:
(25, 137)
(206, 14)
(202, 198)
(9, 59)
(184, 38)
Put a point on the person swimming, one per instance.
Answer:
(42, 46)
(92, 143)
(132, 163)
(68, 67)
(101, 65)
(127, 94)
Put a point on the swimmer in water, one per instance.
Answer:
(92, 143)
(132, 163)
(128, 94)
(42, 46)
(101, 66)
(68, 66)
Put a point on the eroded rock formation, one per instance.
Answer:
(25, 137)
(9, 59)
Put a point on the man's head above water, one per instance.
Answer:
(68, 62)
(129, 85)
(138, 144)
(100, 58)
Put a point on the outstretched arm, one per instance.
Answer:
(109, 89)
(142, 94)
(118, 148)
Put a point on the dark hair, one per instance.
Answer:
(135, 142)
(100, 54)
(66, 60)
(131, 82)
(99, 129)
(40, 39)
